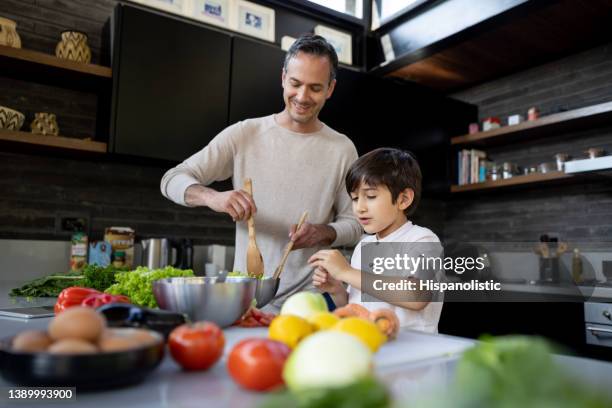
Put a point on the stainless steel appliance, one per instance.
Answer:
(162, 252)
(598, 323)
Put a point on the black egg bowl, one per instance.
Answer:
(84, 371)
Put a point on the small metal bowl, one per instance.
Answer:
(266, 290)
(206, 298)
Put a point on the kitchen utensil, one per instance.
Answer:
(128, 315)
(83, 371)
(205, 298)
(266, 290)
(157, 253)
(561, 158)
(547, 167)
(288, 248)
(594, 152)
(255, 265)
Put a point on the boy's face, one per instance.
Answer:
(374, 207)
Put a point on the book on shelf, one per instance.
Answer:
(471, 166)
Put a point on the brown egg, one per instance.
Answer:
(77, 322)
(31, 341)
(72, 346)
(125, 339)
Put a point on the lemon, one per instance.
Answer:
(323, 320)
(364, 330)
(289, 329)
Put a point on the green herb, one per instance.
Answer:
(48, 286)
(366, 393)
(100, 277)
(245, 275)
(515, 371)
(138, 284)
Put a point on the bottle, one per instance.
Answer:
(78, 251)
(577, 266)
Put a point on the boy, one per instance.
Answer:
(385, 187)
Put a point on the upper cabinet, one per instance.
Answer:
(256, 80)
(170, 85)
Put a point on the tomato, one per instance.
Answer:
(257, 364)
(196, 346)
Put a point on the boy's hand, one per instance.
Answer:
(325, 283)
(330, 260)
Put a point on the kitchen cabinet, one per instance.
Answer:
(256, 80)
(171, 84)
(381, 112)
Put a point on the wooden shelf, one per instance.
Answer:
(53, 141)
(48, 69)
(547, 125)
(514, 181)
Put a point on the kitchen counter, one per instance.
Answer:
(413, 366)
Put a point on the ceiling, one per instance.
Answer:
(537, 36)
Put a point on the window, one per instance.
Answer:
(383, 10)
(351, 7)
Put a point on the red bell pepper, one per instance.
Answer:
(72, 296)
(96, 300)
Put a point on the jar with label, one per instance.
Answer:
(78, 251)
(119, 259)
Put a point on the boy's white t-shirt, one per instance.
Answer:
(425, 319)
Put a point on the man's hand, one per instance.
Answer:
(237, 203)
(332, 261)
(312, 235)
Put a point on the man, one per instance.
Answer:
(296, 162)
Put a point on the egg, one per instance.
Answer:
(125, 339)
(72, 346)
(77, 322)
(31, 341)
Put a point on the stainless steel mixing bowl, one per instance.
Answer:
(266, 290)
(206, 298)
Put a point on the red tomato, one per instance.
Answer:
(196, 346)
(257, 364)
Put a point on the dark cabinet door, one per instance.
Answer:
(171, 85)
(256, 80)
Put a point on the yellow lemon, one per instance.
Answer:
(289, 329)
(323, 320)
(364, 330)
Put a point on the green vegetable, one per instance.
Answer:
(48, 286)
(515, 371)
(137, 285)
(245, 275)
(100, 277)
(327, 359)
(367, 393)
(304, 304)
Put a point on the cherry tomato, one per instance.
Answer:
(257, 364)
(196, 346)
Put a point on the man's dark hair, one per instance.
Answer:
(396, 169)
(315, 45)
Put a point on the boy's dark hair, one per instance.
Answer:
(315, 45)
(396, 169)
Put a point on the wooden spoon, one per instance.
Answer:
(255, 265)
(288, 249)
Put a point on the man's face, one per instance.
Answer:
(306, 86)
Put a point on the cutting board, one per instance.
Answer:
(410, 346)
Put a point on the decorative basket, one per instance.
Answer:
(73, 46)
(10, 119)
(8, 33)
(45, 124)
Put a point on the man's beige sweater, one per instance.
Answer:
(291, 172)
